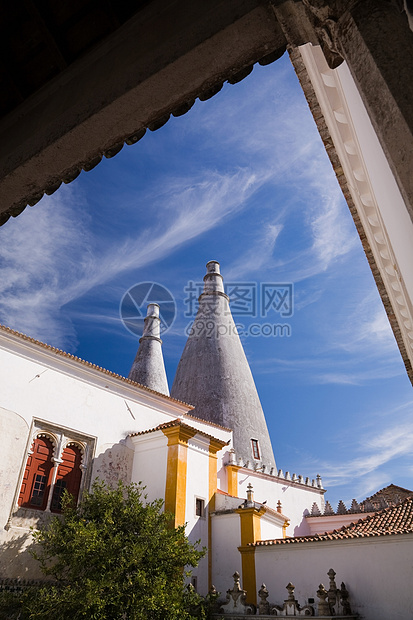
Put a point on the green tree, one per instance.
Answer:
(114, 556)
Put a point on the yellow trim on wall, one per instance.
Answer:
(250, 533)
(249, 580)
(175, 486)
(214, 446)
(232, 479)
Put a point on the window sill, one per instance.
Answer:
(27, 518)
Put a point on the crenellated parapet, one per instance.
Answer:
(365, 507)
(234, 460)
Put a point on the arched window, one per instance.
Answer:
(68, 476)
(37, 476)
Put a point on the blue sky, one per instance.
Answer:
(243, 179)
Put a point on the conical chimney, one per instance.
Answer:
(148, 368)
(214, 375)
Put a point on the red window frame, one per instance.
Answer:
(68, 477)
(37, 476)
(255, 449)
(37, 483)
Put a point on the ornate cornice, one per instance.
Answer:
(327, 102)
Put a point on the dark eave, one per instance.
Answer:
(77, 93)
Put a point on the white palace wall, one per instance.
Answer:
(63, 394)
(378, 572)
(296, 498)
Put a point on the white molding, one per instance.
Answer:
(333, 103)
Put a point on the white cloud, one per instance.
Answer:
(367, 329)
(360, 377)
(41, 253)
(333, 236)
(377, 451)
(51, 256)
(256, 257)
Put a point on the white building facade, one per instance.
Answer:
(66, 422)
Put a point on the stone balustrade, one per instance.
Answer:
(332, 603)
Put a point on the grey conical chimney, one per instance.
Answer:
(214, 375)
(148, 368)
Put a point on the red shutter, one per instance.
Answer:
(68, 477)
(35, 487)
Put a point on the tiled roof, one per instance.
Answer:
(390, 521)
(193, 417)
(79, 360)
(173, 423)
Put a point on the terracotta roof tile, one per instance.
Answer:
(390, 521)
(171, 424)
(193, 417)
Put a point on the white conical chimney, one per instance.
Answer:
(214, 375)
(148, 368)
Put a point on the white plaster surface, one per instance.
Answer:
(328, 523)
(296, 499)
(197, 486)
(226, 559)
(377, 571)
(37, 383)
(150, 462)
(13, 431)
(271, 527)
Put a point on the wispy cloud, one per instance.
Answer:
(51, 257)
(367, 327)
(258, 256)
(376, 453)
(333, 236)
(41, 254)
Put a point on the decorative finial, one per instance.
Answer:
(264, 606)
(250, 494)
(332, 591)
(290, 589)
(323, 606)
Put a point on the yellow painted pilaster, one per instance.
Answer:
(249, 580)
(175, 487)
(232, 478)
(250, 533)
